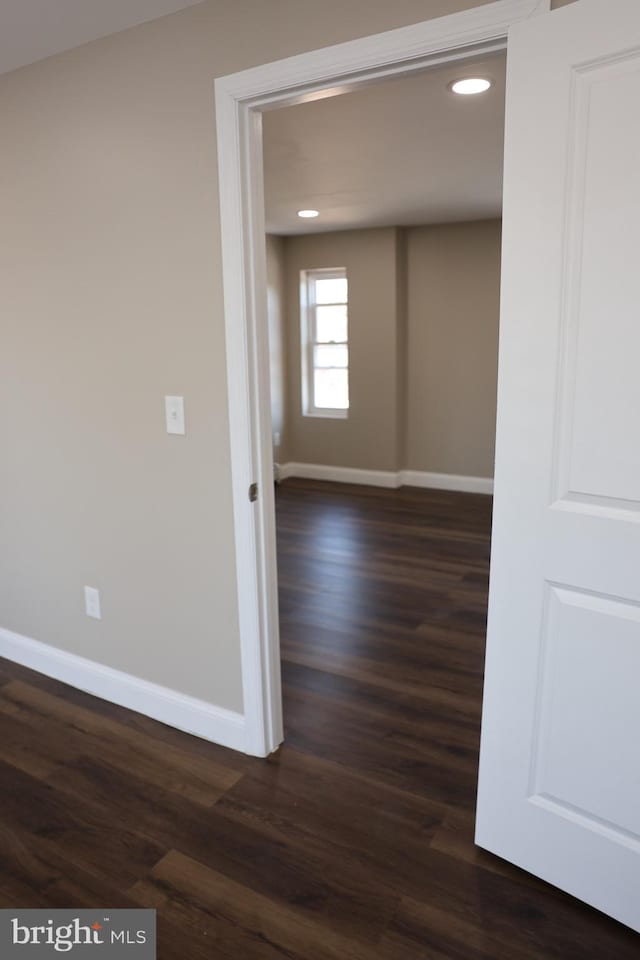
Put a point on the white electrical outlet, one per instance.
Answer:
(174, 412)
(92, 602)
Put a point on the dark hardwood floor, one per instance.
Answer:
(354, 841)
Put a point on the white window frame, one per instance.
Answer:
(308, 340)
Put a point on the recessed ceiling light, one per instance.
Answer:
(470, 85)
(308, 214)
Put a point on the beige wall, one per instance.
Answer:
(367, 438)
(111, 298)
(277, 345)
(453, 312)
(423, 334)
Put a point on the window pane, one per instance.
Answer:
(331, 289)
(331, 324)
(331, 389)
(331, 356)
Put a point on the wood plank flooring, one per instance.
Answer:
(354, 841)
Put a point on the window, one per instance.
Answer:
(325, 343)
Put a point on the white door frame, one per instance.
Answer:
(240, 100)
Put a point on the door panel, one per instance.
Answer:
(601, 310)
(578, 731)
(559, 790)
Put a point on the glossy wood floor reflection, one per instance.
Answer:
(354, 842)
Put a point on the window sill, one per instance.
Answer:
(327, 414)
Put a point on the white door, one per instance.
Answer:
(559, 790)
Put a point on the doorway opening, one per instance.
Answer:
(383, 332)
(241, 100)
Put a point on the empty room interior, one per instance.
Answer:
(319, 487)
(383, 278)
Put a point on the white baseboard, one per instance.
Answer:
(445, 481)
(168, 706)
(319, 471)
(387, 478)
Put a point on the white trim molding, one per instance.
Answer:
(445, 481)
(168, 706)
(387, 478)
(240, 100)
(320, 471)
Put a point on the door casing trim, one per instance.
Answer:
(240, 100)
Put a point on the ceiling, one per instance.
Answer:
(31, 30)
(399, 152)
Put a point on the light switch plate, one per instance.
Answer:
(174, 409)
(92, 603)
